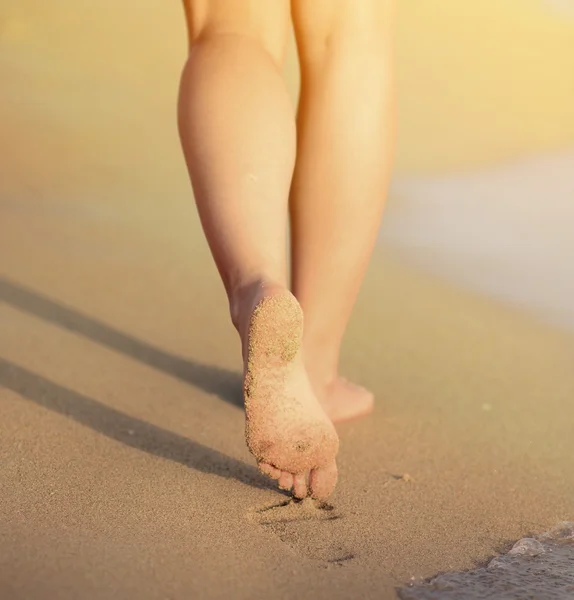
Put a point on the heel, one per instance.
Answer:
(275, 330)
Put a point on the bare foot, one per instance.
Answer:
(286, 428)
(343, 400)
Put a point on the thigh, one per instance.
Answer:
(266, 20)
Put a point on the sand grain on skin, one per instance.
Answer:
(285, 424)
(275, 333)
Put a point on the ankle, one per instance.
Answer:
(241, 297)
(323, 378)
(322, 362)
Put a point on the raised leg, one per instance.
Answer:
(345, 126)
(237, 130)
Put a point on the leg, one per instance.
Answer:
(238, 136)
(345, 132)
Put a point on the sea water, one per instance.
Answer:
(536, 568)
(505, 231)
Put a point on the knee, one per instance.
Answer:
(343, 28)
(265, 22)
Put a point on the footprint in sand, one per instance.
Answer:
(306, 527)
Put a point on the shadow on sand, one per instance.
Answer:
(213, 380)
(110, 422)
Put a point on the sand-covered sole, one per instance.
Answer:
(287, 431)
(275, 337)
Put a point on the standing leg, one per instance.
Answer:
(237, 130)
(345, 128)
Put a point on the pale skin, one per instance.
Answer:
(253, 164)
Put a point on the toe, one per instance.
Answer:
(286, 480)
(322, 480)
(269, 470)
(299, 485)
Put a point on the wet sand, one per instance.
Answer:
(123, 470)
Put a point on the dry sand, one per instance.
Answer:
(123, 468)
(124, 471)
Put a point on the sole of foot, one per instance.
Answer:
(287, 430)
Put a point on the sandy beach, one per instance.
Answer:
(124, 472)
(123, 468)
